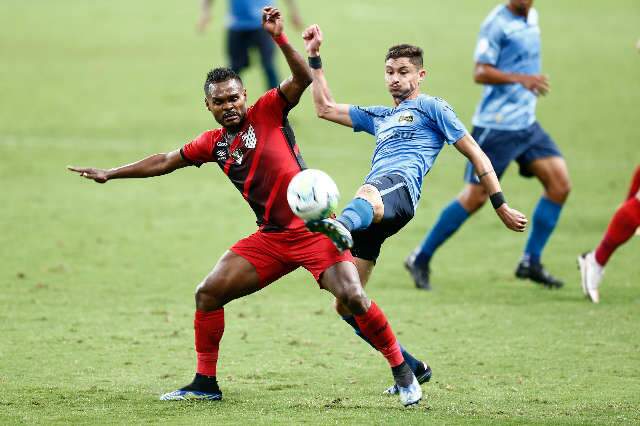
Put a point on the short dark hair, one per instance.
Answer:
(414, 53)
(218, 75)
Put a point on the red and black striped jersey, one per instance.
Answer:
(260, 160)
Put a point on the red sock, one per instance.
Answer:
(622, 226)
(375, 327)
(209, 327)
(635, 184)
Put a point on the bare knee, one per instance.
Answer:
(353, 298)
(371, 194)
(559, 190)
(210, 294)
(472, 198)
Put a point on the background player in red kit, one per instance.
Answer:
(256, 149)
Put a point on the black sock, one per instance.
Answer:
(402, 374)
(203, 383)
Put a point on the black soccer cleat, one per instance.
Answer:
(333, 229)
(537, 273)
(202, 388)
(419, 273)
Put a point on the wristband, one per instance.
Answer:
(281, 39)
(315, 62)
(497, 199)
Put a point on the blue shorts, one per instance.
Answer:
(398, 211)
(504, 146)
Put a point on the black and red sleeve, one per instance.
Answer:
(199, 150)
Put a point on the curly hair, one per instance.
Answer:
(414, 53)
(218, 75)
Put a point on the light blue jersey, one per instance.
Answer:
(510, 43)
(408, 137)
(246, 14)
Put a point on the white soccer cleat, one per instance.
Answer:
(411, 394)
(591, 274)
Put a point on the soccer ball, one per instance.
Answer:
(312, 195)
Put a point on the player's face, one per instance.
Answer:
(403, 78)
(521, 7)
(227, 101)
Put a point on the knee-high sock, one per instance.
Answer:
(635, 184)
(624, 223)
(545, 218)
(209, 327)
(451, 218)
(414, 363)
(357, 215)
(374, 326)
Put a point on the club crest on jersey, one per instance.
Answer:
(405, 118)
(237, 156)
(249, 138)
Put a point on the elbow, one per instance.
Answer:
(479, 75)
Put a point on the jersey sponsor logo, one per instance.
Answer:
(249, 138)
(405, 118)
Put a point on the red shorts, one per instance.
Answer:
(275, 254)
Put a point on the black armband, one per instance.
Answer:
(315, 62)
(497, 199)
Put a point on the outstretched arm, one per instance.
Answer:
(326, 107)
(488, 74)
(512, 219)
(296, 19)
(300, 79)
(155, 165)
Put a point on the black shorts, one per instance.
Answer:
(503, 146)
(398, 211)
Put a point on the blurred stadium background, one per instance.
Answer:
(96, 308)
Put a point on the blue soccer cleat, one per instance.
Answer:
(423, 377)
(333, 229)
(202, 388)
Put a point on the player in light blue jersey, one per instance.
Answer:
(244, 32)
(508, 64)
(409, 135)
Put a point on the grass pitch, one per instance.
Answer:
(96, 308)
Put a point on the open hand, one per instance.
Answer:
(98, 175)
(538, 84)
(272, 21)
(312, 39)
(512, 218)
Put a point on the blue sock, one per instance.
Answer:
(451, 218)
(357, 215)
(413, 363)
(545, 218)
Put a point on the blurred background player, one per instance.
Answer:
(409, 137)
(261, 135)
(623, 225)
(245, 32)
(508, 64)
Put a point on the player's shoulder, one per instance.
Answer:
(431, 104)
(210, 136)
(498, 16)
(375, 111)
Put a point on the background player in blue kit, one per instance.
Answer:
(409, 137)
(508, 64)
(245, 32)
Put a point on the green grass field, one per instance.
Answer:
(97, 281)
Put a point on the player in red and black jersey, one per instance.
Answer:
(255, 148)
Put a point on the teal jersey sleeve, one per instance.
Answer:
(489, 41)
(363, 118)
(445, 119)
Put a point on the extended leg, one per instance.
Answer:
(342, 281)
(231, 278)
